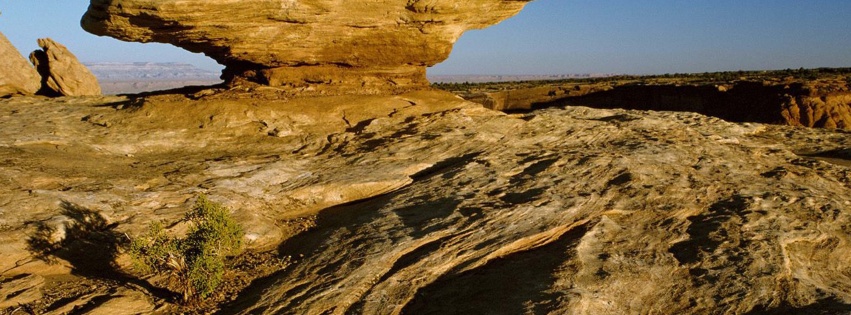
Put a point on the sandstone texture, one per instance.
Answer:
(17, 76)
(362, 46)
(423, 203)
(62, 74)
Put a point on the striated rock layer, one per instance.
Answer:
(422, 203)
(378, 45)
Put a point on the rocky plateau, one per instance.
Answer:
(412, 200)
(423, 203)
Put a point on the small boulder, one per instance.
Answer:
(61, 73)
(17, 76)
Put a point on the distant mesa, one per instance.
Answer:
(140, 71)
(139, 77)
(485, 78)
(337, 46)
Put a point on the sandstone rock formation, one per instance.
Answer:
(422, 203)
(17, 76)
(360, 45)
(61, 72)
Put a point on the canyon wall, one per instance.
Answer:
(797, 104)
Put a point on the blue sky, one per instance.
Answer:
(553, 37)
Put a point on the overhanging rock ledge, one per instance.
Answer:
(371, 46)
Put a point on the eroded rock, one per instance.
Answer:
(62, 74)
(373, 46)
(17, 76)
(423, 203)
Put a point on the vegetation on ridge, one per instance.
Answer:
(195, 263)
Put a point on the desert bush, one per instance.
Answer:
(195, 263)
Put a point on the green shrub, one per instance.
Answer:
(195, 264)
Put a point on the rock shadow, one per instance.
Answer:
(82, 237)
(420, 217)
(826, 306)
(744, 102)
(840, 157)
(308, 245)
(338, 232)
(515, 284)
(86, 240)
(706, 231)
(448, 168)
(42, 62)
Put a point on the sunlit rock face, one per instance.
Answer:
(372, 44)
(422, 203)
(17, 76)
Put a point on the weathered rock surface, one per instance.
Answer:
(21, 289)
(17, 76)
(372, 45)
(423, 203)
(62, 74)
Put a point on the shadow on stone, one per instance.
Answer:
(744, 102)
(86, 240)
(826, 306)
(519, 283)
(704, 236)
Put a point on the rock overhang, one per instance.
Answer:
(373, 46)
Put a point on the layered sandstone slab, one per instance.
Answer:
(305, 42)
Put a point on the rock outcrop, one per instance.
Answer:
(61, 73)
(422, 203)
(360, 45)
(17, 76)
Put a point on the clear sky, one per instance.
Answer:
(553, 37)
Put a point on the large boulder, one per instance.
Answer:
(379, 43)
(61, 73)
(17, 76)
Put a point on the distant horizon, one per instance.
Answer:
(572, 75)
(549, 37)
(507, 74)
